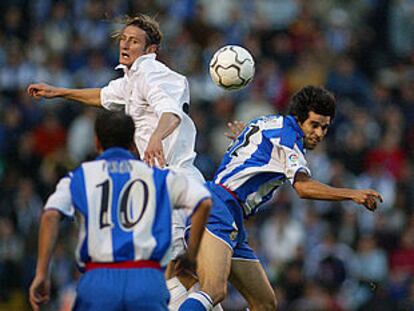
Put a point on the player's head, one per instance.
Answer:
(140, 35)
(114, 129)
(314, 108)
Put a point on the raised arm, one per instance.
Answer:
(40, 288)
(235, 128)
(91, 97)
(308, 188)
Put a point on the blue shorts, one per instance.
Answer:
(122, 290)
(226, 222)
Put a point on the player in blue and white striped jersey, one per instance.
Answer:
(268, 152)
(125, 213)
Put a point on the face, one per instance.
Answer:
(132, 45)
(315, 128)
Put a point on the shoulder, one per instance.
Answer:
(151, 65)
(155, 68)
(288, 138)
(278, 127)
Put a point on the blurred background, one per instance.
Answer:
(318, 255)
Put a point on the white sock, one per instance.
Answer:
(178, 293)
(196, 287)
(202, 298)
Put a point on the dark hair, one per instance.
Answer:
(147, 24)
(114, 129)
(312, 98)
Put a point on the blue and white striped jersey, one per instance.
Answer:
(125, 207)
(266, 154)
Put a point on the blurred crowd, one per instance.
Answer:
(318, 255)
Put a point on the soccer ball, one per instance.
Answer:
(232, 67)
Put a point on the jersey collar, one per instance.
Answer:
(135, 65)
(294, 124)
(116, 152)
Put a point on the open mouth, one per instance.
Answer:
(124, 55)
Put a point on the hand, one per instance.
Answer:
(40, 90)
(368, 198)
(154, 152)
(236, 127)
(185, 263)
(39, 292)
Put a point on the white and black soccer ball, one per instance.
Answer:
(232, 67)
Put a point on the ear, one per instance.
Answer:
(98, 145)
(152, 48)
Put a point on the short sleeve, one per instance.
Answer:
(294, 162)
(186, 193)
(112, 95)
(61, 199)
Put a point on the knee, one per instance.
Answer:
(271, 304)
(267, 304)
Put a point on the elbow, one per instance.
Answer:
(301, 191)
(176, 120)
(51, 215)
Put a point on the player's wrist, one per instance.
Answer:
(60, 92)
(156, 136)
(352, 194)
(41, 274)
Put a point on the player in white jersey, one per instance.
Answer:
(156, 97)
(269, 152)
(125, 236)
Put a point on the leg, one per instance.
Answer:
(213, 269)
(216, 250)
(178, 284)
(250, 279)
(177, 287)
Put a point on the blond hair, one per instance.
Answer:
(148, 24)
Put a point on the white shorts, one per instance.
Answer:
(178, 221)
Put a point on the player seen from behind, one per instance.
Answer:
(124, 209)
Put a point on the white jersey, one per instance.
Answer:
(146, 91)
(125, 207)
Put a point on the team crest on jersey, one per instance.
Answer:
(293, 158)
(234, 233)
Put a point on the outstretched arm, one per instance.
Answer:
(40, 287)
(90, 97)
(308, 188)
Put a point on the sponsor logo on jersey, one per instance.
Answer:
(293, 158)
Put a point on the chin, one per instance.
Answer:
(123, 62)
(310, 146)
